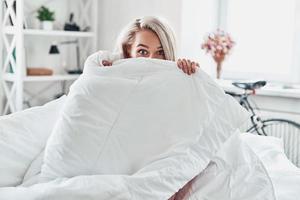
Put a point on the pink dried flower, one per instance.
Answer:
(218, 44)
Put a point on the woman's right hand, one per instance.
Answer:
(106, 63)
(187, 66)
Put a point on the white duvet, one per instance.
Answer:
(248, 167)
(244, 167)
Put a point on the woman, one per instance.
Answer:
(147, 37)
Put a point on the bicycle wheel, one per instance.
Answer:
(288, 130)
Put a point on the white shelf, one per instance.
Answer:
(56, 77)
(38, 32)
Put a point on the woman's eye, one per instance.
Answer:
(161, 53)
(143, 52)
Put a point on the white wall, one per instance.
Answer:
(115, 14)
(199, 17)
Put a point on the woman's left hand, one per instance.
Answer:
(187, 66)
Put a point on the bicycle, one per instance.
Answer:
(286, 129)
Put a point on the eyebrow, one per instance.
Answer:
(143, 45)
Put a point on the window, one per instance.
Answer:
(267, 39)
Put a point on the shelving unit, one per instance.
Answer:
(32, 32)
(64, 77)
(13, 38)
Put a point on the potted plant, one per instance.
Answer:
(46, 18)
(218, 44)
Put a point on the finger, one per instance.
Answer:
(196, 65)
(179, 64)
(189, 67)
(193, 67)
(185, 66)
(104, 62)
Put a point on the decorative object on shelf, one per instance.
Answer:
(71, 25)
(54, 50)
(219, 45)
(39, 71)
(46, 17)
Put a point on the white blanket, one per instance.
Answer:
(243, 169)
(284, 175)
(235, 173)
(120, 119)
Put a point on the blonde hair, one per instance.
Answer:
(161, 29)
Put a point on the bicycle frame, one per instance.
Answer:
(255, 120)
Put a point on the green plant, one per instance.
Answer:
(44, 14)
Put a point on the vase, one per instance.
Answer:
(47, 25)
(219, 58)
(219, 69)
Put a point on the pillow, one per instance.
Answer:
(118, 120)
(23, 135)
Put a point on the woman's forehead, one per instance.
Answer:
(147, 38)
